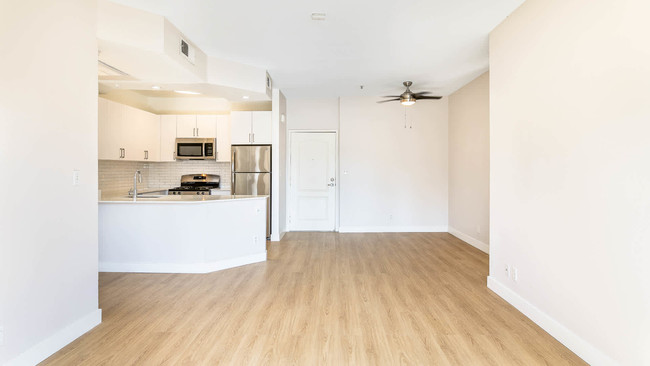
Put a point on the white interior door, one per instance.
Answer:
(313, 181)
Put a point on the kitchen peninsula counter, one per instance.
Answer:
(188, 198)
(181, 233)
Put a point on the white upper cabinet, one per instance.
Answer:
(251, 128)
(167, 138)
(127, 133)
(262, 128)
(188, 126)
(185, 126)
(109, 130)
(206, 126)
(223, 138)
(240, 128)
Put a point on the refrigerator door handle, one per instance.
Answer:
(232, 184)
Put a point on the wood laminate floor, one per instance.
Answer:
(320, 299)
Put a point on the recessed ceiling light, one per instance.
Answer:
(117, 85)
(245, 97)
(318, 16)
(186, 92)
(155, 87)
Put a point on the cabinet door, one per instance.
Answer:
(108, 129)
(167, 138)
(262, 131)
(185, 126)
(206, 126)
(133, 135)
(223, 138)
(152, 147)
(240, 128)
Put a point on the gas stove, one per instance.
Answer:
(197, 184)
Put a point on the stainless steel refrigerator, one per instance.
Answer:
(251, 174)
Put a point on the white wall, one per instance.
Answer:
(313, 114)
(570, 172)
(469, 162)
(278, 165)
(282, 140)
(392, 178)
(48, 228)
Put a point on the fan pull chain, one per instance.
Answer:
(405, 121)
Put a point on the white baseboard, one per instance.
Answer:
(470, 240)
(572, 341)
(392, 229)
(182, 268)
(282, 235)
(58, 340)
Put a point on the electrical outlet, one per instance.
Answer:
(515, 274)
(507, 271)
(255, 239)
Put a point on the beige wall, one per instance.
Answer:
(393, 178)
(570, 172)
(48, 227)
(469, 162)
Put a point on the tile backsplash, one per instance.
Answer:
(116, 176)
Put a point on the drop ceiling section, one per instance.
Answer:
(141, 51)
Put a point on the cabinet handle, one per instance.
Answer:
(249, 137)
(194, 132)
(253, 137)
(146, 155)
(197, 132)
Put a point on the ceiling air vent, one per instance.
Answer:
(187, 51)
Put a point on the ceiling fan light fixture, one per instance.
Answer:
(407, 100)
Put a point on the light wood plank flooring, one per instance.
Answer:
(320, 299)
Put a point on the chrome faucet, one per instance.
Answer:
(137, 178)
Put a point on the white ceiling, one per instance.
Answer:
(438, 44)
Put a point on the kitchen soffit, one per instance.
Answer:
(376, 43)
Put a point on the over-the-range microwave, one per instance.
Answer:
(196, 149)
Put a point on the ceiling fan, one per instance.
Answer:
(408, 97)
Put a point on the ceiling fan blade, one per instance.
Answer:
(391, 96)
(388, 100)
(427, 97)
(421, 93)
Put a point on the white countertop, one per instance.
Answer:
(178, 199)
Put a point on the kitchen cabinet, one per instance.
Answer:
(196, 126)
(167, 138)
(109, 129)
(251, 127)
(127, 133)
(206, 126)
(223, 138)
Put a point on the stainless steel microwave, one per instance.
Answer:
(196, 149)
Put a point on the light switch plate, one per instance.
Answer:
(75, 177)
